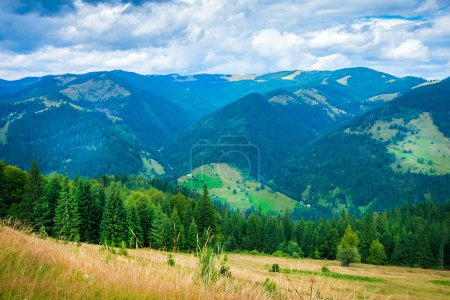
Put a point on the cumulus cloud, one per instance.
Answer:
(408, 50)
(245, 36)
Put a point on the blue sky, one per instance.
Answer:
(400, 37)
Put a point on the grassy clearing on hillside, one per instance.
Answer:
(423, 148)
(152, 167)
(227, 184)
(34, 268)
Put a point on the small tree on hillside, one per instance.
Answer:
(348, 248)
(377, 256)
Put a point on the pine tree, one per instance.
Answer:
(368, 234)
(176, 232)
(67, 219)
(114, 221)
(205, 214)
(253, 240)
(272, 236)
(192, 236)
(52, 192)
(157, 236)
(328, 248)
(35, 205)
(89, 209)
(348, 247)
(136, 234)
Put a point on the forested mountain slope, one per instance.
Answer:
(254, 133)
(116, 122)
(88, 124)
(397, 153)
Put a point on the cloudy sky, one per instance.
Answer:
(401, 37)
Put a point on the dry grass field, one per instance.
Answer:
(35, 268)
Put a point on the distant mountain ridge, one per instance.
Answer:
(118, 122)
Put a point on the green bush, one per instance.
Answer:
(170, 260)
(270, 287)
(275, 268)
(123, 249)
(279, 253)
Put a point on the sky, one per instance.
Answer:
(400, 37)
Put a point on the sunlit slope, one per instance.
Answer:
(229, 185)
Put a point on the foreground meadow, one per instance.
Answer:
(35, 268)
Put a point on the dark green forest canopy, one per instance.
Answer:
(138, 212)
(350, 167)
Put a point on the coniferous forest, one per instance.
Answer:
(138, 212)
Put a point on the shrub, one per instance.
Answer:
(270, 287)
(275, 268)
(123, 249)
(279, 253)
(170, 260)
(225, 271)
(325, 269)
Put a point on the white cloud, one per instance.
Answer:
(244, 36)
(331, 62)
(408, 50)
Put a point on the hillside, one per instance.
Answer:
(228, 185)
(87, 124)
(254, 133)
(397, 153)
(34, 268)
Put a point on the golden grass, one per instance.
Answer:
(34, 268)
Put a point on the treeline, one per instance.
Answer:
(133, 211)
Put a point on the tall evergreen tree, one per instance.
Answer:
(157, 236)
(328, 248)
(67, 219)
(136, 234)
(192, 236)
(205, 213)
(35, 204)
(113, 228)
(52, 192)
(90, 212)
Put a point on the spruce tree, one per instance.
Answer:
(113, 228)
(89, 209)
(176, 231)
(35, 205)
(52, 192)
(192, 236)
(136, 234)
(158, 236)
(205, 213)
(328, 248)
(67, 219)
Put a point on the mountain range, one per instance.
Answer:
(351, 137)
